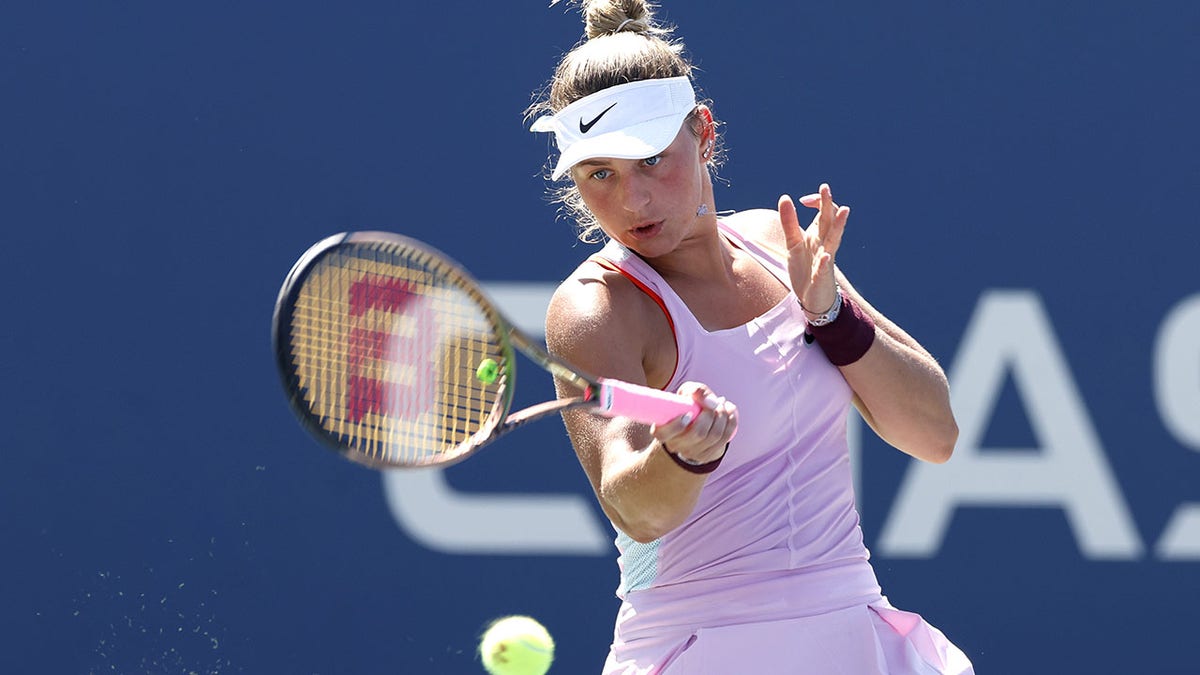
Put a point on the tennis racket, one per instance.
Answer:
(393, 355)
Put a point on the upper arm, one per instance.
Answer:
(599, 322)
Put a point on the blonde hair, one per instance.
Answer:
(622, 43)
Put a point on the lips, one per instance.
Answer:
(647, 231)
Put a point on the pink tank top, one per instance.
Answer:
(775, 533)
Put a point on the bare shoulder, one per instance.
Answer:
(600, 321)
(758, 225)
(591, 297)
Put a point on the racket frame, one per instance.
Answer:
(500, 420)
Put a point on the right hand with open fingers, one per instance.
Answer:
(701, 439)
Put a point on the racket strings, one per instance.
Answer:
(386, 342)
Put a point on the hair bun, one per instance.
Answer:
(609, 17)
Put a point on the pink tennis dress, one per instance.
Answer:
(769, 575)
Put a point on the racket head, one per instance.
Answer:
(379, 339)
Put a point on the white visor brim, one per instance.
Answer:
(629, 121)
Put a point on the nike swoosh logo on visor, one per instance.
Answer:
(584, 128)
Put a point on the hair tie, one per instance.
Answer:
(622, 25)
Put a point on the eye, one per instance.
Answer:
(651, 161)
(601, 174)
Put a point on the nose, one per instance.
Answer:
(635, 192)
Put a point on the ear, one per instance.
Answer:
(706, 131)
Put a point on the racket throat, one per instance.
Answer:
(605, 397)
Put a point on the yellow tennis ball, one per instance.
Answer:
(487, 371)
(516, 645)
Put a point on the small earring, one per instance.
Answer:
(703, 210)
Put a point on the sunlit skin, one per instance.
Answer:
(648, 205)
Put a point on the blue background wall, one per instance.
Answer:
(1022, 176)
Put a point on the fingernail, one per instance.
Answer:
(687, 418)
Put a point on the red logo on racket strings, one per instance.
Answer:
(373, 292)
(369, 395)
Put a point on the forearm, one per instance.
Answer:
(645, 493)
(904, 396)
(901, 390)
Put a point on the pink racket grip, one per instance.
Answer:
(651, 406)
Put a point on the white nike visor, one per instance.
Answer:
(636, 120)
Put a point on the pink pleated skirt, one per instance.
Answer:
(875, 639)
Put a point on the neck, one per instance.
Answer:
(703, 255)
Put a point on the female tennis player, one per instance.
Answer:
(740, 546)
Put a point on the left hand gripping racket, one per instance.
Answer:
(391, 353)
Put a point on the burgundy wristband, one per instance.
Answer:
(707, 467)
(845, 339)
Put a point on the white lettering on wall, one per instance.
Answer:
(450, 521)
(1010, 333)
(1177, 391)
